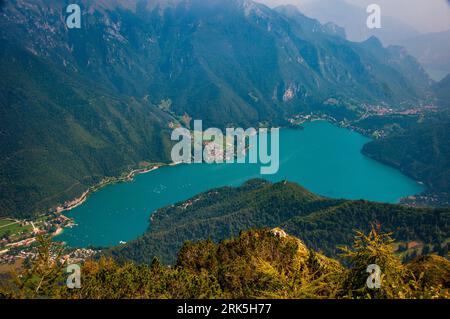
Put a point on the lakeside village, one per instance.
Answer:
(368, 111)
(18, 238)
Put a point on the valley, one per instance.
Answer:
(88, 117)
(100, 107)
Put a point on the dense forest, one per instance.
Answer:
(61, 135)
(322, 223)
(256, 264)
(421, 151)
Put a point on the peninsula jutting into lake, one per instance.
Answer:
(324, 158)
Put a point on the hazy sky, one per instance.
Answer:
(423, 15)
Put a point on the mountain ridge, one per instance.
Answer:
(321, 223)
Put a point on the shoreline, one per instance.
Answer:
(133, 173)
(129, 177)
(80, 200)
(74, 203)
(58, 231)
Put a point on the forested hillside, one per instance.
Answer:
(61, 134)
(321, 223)
(422, 151)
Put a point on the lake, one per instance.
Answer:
(323, 158)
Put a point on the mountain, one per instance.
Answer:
(432, 50)
(442, 91)
(223, 61)
(79, 105)
(353, 19)
(321, 223)
(62, 134)
(422, 151)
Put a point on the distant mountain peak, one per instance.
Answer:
(374, 42)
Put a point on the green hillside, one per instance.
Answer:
(421, 151)
(60, 134)
(321, 223)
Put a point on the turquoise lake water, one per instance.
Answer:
(324, 158)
